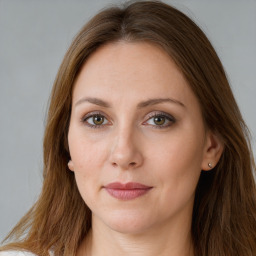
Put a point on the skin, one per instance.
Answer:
(131, 146)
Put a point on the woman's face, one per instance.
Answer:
(136, 137)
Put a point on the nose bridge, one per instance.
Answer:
(125, 151)
(125, 144)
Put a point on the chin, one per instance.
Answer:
(127, 222)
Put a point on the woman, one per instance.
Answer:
(145, 150)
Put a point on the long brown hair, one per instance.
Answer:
(224, 216)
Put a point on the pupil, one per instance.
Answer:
(159, 120)
(98, 120)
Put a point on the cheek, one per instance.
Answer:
(177, 162)
(177, 177)
(88, 159)
(177, 153)
(86, 154)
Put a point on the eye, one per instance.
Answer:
(160, 120)
(95, 120)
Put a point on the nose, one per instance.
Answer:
(125, 152)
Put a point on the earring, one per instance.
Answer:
(210, 165)
(70, 165)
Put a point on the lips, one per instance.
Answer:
(127, 191)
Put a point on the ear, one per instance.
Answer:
(212, 151)
(71, 165)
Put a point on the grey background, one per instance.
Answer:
(34, 36)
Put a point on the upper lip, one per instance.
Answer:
(126, 186)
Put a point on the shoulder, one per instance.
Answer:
(16, 253)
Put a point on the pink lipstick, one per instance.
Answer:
(127, 191)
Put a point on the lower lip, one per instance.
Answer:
(127, 194)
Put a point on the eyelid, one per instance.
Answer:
(149, 116)
(94, 113)
(157, 114)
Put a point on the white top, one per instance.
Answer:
(18, 253)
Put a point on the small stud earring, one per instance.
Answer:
(210, 165)
(70, 165)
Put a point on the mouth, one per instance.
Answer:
(127, 191)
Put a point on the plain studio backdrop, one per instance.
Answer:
(34, 36)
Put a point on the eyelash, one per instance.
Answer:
(91, 115)
(170, 119)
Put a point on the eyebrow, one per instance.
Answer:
(94, 101)
(143, 104)
(151, 102)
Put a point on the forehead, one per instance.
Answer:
(131, 70)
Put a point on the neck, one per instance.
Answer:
(168, 240)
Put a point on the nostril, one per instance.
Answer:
(132, 163)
